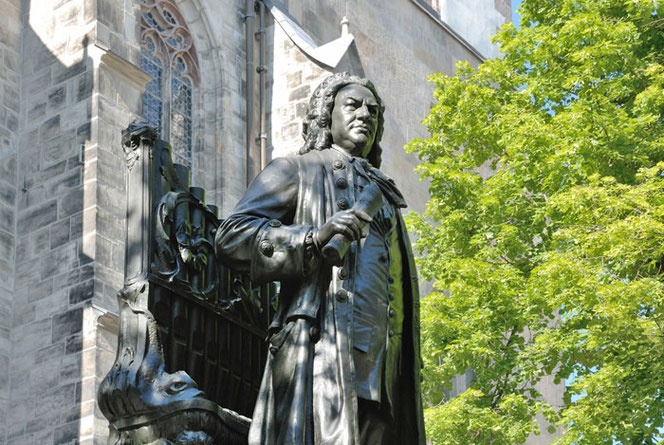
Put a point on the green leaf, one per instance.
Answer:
(544, 235)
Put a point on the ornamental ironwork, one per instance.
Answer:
(191, 343)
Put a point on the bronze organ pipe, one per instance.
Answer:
(197, 220)
(211, 268)
(182, 209)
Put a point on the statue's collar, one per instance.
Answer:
(386, 184)
(352, 158)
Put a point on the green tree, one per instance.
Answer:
(551, 263)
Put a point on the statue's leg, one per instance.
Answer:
(292, 373)
(376, 425)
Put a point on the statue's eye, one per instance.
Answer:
(176, 387)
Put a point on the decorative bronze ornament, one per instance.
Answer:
(184, 318)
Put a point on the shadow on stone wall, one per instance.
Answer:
(51, 369)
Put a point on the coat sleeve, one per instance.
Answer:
(260, 238)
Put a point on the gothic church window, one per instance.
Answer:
(169, 56)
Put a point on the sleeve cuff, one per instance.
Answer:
(279, 252)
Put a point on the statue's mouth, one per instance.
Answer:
(191, 393)
(198, 395)
(362, 128)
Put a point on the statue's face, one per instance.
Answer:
(355, 120)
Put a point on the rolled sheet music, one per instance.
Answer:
(369, 202)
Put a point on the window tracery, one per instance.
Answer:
(169, 56)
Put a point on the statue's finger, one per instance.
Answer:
(354, 230)
(364, 216)
(350, 219)
(344, 230)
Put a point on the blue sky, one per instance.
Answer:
(515, 16)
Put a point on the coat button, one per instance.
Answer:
(342, 183)
(274, 223)
(391, 333)
(391, 296)
(342, 203)
(338, 164)
(390, 279)
(342, 274)
(266, 248)
(341, 295)
(392, 313)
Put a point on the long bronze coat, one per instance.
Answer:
(308, 393)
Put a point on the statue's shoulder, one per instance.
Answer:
(315, 157)
(288, 162)
(293, 163)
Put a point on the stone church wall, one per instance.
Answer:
(75, 94)
(10, 44)
(69, 89)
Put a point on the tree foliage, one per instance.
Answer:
(544, 235)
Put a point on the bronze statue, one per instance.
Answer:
(344, 361)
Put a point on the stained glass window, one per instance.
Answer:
(169, 17)
(152, 98)
(169, 57)
(181, 89)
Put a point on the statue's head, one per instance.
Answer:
(347, 111)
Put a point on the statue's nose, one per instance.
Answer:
(362, 112)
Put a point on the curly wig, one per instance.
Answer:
(316, 128)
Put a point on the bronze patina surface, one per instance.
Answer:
(343, 365)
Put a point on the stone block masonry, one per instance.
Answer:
(64, 229)
(10, 47)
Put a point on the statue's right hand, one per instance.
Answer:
(348, 223)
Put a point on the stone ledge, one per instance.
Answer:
(121, 66)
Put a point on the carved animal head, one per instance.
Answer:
(163, 388)
(159, 388)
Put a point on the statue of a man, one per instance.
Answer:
(344, 361)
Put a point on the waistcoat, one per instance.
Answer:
(378, 311)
